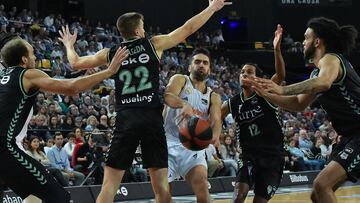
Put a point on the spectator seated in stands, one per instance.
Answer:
(70, 145)
(84, 155)
(59, 159)
(49, 145)
(35, 152)
(215, 164)
(304, 140)
(229, 154)
(300, 156)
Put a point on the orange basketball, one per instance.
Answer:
(195, 134)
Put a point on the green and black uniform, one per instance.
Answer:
(342, 104)
(138, 108)
(261, 140)
(18, 171)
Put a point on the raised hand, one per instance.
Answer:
(257, 87)
(66, 37)
(270, 86)
(218, 4)
(121, 54)
(278, 37)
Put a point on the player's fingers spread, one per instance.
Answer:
(61, 34)
(63, 29)
(121, 50)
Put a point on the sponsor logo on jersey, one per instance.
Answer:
(254, 101)
(250, 114)
(344, 155)
(349, 150)
(138, 98)
(271, 190)
(204, 101)
(187, 90)
(142, 58)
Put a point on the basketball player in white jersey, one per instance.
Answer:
(185, 96)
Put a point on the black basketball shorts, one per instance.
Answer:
(134, 127)
(347, 154)
(264, 173)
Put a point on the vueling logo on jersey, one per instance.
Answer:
(138, 98)
(142, 58)
(250, 114)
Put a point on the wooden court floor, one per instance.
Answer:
(347, 194)
(350, 193)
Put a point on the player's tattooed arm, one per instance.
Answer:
(306, 87)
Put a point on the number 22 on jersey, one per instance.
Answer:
(126, 77)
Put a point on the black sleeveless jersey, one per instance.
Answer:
(15, 104)
(342, 101)
(137, 81)
(259, 125)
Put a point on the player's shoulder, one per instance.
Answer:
(178, 78)
(32, 72)
(330, 58)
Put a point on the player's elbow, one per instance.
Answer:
(168, 99)
(323, 86)
(75, 65)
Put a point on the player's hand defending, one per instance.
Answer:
(278, 37)
(269, 86)
(66, 37)
(218, 4)
(121, 54)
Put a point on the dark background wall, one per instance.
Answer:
(262, 15)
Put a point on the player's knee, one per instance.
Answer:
(199, 181)
(319, 186)
(313, 197)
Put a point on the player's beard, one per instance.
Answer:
(309, 52)
(199, 75)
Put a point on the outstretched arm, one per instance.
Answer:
(163, 42)
(292, 103)
(36, 79)
(279, 75)
(330, 71)
(84, 62)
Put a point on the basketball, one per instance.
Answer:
(195, 134)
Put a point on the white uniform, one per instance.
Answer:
(182, 160)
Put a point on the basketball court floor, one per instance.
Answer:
(349, 193)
